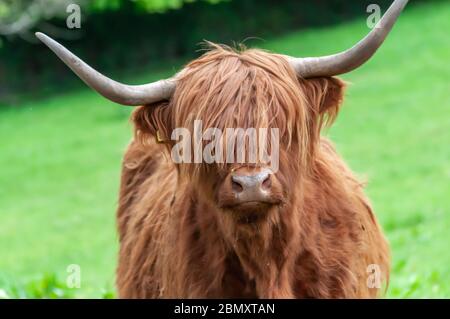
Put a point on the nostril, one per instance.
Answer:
(267, 183)
(236, 186)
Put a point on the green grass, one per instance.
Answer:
(60, 164)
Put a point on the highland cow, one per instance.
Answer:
(235, 230)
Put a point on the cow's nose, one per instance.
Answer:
(252, 186)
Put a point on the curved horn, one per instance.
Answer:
(354, 57)
(117, 92)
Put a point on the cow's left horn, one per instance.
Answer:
(354, 57)
(117, 92)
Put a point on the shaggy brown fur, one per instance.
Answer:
(175, 241)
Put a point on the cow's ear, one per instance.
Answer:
(325, 96)
(153, 121)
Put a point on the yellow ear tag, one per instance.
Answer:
(159, 138)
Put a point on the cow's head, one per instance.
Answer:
(247, 90)
(252, 89)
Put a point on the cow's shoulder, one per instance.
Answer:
(148, 175)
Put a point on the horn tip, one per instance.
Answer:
(41, 36)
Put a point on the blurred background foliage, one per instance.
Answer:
(119, 35)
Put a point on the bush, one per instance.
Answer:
(120, 35)
(48, 286)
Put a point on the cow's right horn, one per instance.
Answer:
(117, 92)
(354, 57)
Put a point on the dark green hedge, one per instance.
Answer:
(128, 39)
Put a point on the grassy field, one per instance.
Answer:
(60, 164)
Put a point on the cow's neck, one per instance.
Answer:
(259, 253)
